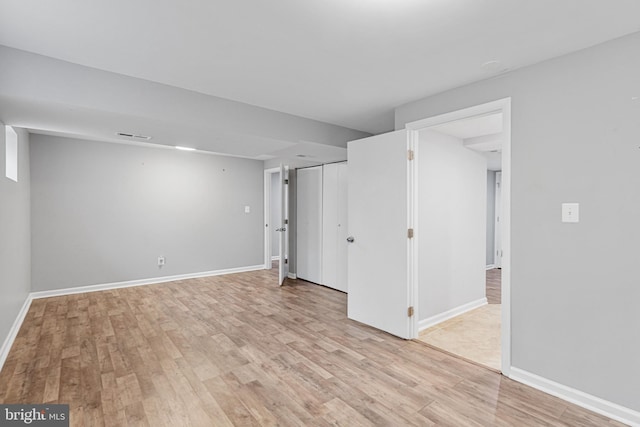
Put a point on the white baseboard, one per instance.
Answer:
(491, 266)
(275, 258)
(449, 314)
(141, 282)
(292, 276)
(13, 332)
(580, 398)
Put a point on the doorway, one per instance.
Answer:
(466, 305)
(276, 220)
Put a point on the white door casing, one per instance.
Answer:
(503, 106)
(497, 255)
(283, 270)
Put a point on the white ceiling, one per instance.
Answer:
(346, 62)
(483, 133)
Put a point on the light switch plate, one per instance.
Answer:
(247, 209)
(571, 212)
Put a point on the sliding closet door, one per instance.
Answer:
(334, 242)
(341, 248)
(309, 224)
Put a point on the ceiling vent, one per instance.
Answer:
(133, 136)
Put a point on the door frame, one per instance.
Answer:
(267, 216)
(497, 219)
(501, 105)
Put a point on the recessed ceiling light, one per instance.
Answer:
(185, 148)
(133, 136)
(495, 66)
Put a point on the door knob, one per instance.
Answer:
(350, 239)
(281, 229)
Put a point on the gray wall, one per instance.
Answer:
(43, 84)
(451, 227)
(491, 216)
(575, 137)
(15, 235)
(104, 212)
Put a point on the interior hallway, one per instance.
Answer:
(474, 335)
(240, 350)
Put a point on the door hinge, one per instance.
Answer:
(286, 221)
(411, 155)
(286, 181)
(410, 233)
(410, 311)
(286, 260)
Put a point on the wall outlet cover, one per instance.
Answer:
(570, 212)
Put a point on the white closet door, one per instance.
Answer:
(309, 223)
(334, 243)
(329, 224)
(342, 234)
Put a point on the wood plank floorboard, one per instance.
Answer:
(239, 350)
(494, 285)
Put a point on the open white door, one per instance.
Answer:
(284, 227)
(378, 261)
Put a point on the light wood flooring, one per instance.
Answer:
(240, 350)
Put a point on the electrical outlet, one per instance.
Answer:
(161, 261)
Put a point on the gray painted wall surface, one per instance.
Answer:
(27, 77)
(15, 240)
(491, 213)
(451, 224)
(575, 137)
(103, 213)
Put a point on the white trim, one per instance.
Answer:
(505, 237)
(503, 105)
(13, 332)
(476, 110)
(580, 398)
(141, 282)
(450, 314)
(412, 245)
(275, 258)
(491, 266)
(292, 276)
(497, 239)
